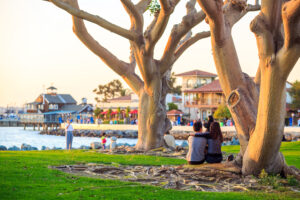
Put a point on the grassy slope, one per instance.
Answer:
(25, 175)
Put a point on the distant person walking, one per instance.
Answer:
(69, 134)
(210, 121)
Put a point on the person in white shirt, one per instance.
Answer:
(69, 134)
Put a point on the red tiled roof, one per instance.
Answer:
(211, 87)
(122, 98)
(197, 73)
(174, 112)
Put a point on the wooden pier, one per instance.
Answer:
(40, 121)
(10, 123)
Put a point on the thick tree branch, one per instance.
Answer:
(178, 32)
(179, 51)
(287, 58)
(159, 27)
(135, 16)
(94, 19)
(264, 37)
(291, 23)
(233, 15)
(211, 8)
(142, 5)
(165, 5)
(290, 52)
(214, 12)
(120, 67)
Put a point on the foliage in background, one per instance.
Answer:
(295, 94)
(222, 112)
(172, 106)
(108, 114)
(174, 89)
(127, 111)
(119, 112)
(97, 112)
(154, 7)
(110, 90)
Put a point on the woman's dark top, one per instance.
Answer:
(214, 153)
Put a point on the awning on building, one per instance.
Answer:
(133, 112)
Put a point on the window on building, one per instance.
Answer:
(189, 83)
(203, 81)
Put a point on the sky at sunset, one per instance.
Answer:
(38, 49)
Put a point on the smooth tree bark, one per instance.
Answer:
(257, 106)
(152, 86)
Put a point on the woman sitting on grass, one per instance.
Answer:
(214, 141)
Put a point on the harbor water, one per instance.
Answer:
(16, 136)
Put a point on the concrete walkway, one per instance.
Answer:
(123, 127)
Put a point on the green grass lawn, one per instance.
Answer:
(290, 150)
(25, 175)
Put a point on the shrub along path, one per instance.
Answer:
(26, 175)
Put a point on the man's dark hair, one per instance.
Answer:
(197, 126)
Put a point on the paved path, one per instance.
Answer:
(122, 127)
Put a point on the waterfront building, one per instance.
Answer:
(132, 101)
(198, 104)
(202, 94)
(175, 116)
(204, 100)
(53, 108)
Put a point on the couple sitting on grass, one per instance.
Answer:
(205, 146)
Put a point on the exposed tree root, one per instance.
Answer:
(291, 171)
(222, 177)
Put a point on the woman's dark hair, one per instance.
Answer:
(197, 126)
(215, 131)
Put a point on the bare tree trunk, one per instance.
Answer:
(152, 119)
(260, 128)
(264, 144)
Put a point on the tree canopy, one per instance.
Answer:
(172, 106)
(222, 112)
(110, 90)
(174, 89)
(295, 93)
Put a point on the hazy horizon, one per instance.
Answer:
(39, 49)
